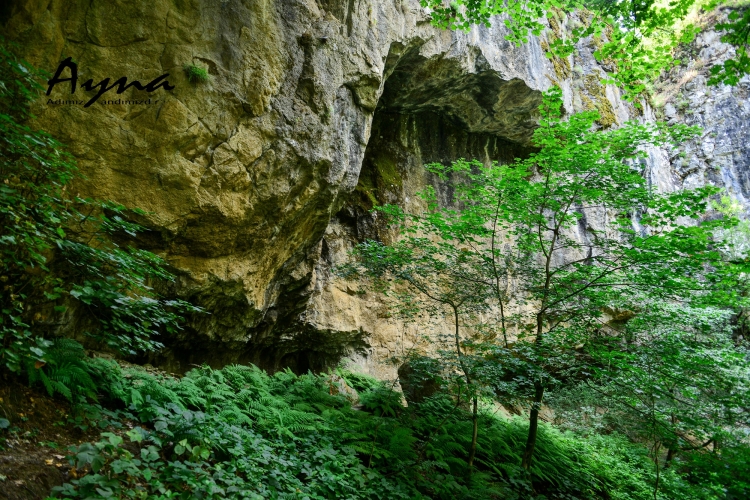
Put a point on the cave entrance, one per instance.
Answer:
(436, 110)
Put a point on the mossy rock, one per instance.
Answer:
(560, 64)
(387, 174)
(597, 100)
(379, 176)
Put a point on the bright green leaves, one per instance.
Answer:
(737, 34)
(240, 432)
(523, 16)
(673, 375)
(217, 434)
(557, 238)
(61, 368)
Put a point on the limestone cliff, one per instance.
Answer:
(259, 180)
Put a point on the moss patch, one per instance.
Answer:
(561, 65)
(196, 74)
(379, 175)
(555, 27)
(597, 99)
(364, 193)
(387, 173)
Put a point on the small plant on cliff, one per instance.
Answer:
(196, 74)
(61, 254)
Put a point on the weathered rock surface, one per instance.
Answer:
(721, 155)
(258, 181)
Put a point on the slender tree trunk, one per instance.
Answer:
(475, 430)
(671, 452)
(497, 276)
(656, 464)
(671, 449)
(502, 322)
(536, 404)
(528, 453)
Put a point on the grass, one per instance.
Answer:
(196, 74)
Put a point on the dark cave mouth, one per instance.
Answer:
(433, 110)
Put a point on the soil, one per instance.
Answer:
(33, 449)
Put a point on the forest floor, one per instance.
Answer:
(33, 449)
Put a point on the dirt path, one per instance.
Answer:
(33, 448)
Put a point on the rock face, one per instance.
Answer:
(259, 180)
(721, 155)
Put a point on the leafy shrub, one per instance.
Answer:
(235, 432)
(57, 250)
(242, 433)
(730, 468)
(359, 381)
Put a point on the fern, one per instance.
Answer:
(64, 372)
(289, 429)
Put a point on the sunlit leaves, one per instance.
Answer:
(737, 33)
(558, 238)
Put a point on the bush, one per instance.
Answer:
(58, 251)
(236, 432)
(65, 372)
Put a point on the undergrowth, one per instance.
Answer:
(242, 433)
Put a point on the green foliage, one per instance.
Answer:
(360, 382)
(638, 37)
(730, 467)
(58, 250)
(241, 433)
(65, 372)
(196, 74)
(673, 378)
(737, 33)
(736, 241)
(236, 432)
(521, 242)
(678, 370)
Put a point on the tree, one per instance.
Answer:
(674, 377)
(518, 238)
(58, 250)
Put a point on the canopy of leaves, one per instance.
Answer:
(518, 238)
(736, 33)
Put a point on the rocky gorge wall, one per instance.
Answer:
(259, 181)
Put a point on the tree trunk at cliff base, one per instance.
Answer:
(474, 417)
(533, 426)
(473, 449)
